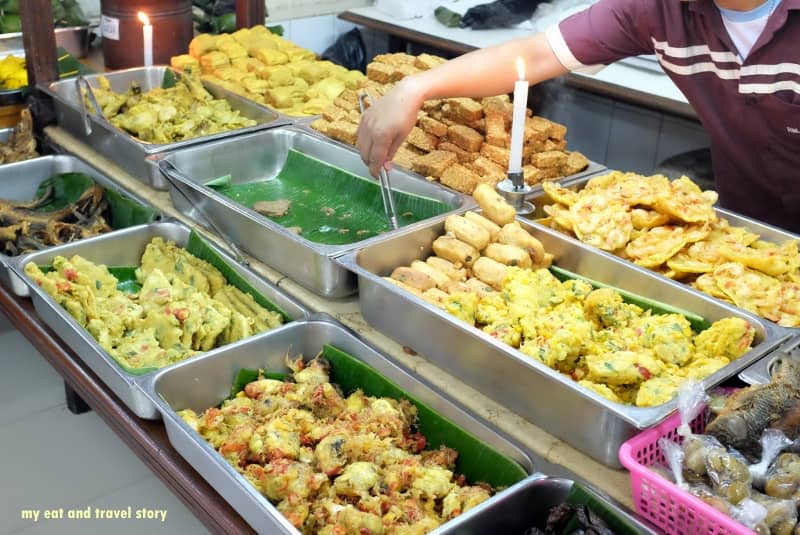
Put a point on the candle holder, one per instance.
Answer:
(514, 190)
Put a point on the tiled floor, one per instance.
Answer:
(51, 459)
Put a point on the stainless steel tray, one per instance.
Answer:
(204, 381)
(126, 150)
(586, 420)
(766, 231)
(19, 181)
(125, 248)
(527, 504)
(761, 372)
(261, 156)
(74, 39)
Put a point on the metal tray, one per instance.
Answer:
(766, 231)
(19, 181)
(761, 372)
(125, 248)
(586, 420)
(202, 382)
(74, 39)
(527, 504)
(261, 156)
(126, 150)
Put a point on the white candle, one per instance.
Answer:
(147, 39)
(518, 119)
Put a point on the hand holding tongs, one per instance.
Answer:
(386, 187)
(174, 176)
(82, 83)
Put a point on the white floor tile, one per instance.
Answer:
(148, 498)
(28, 384)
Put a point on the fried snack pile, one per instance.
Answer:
(495, 278)
(269, 69)
(161, 115)
(185, 305)
(671, 227)
(335, 464)
(461, 142)
(21, 144)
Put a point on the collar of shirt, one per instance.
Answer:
(760, 12)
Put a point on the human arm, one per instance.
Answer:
(482, 73)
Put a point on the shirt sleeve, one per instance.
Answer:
(604, 33)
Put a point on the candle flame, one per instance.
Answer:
(520, 67)
(144, 18)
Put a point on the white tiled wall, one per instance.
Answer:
(314, 33)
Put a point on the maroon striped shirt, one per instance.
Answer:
(750, 108)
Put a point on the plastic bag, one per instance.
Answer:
(749, 513)
(692, 400)
(499, 14)
(674, 455)
(772, 442)
(349, 51)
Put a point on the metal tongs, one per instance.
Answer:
(383, 177)
(82, 83)
(174, 176)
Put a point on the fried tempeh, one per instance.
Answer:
(509, 255)
(493, 228)
(412, 277)
(490, 271)
(494, 206)
(438, 277)
(447, 267)
(514, 234)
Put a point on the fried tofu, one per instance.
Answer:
(558, 131)
(395, 59)
(434, 163)
(431, 105)
(576, 162)
(537, 128)
(432, 126)
(465, 137)
(490, 172)
(463, 156)
(401, 71)
(465, 109)
(405, 155)
(548, 159)
(428, 61)
(460, 178)
(422, 140)
(334, 113)
(532, 175)
(498, 155)
(380, 72)
(451, 117)
(552, 144)
(321, 125)
(496, 130)
(343, 131)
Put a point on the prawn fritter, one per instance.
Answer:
(669, 336)
(657, 390)
(684, 262)
(728, 337)
(602, 221)
(655, 246)
(561, 216)
(686, 202)
(749, 289)
(559, 194)
(773, 260)
(357, 479)
(707, 284)
(462, 499)
(605, 307)
(636, 190)
(643, 219)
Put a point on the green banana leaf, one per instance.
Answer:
(476, 460)
(67, 188)
(330, 205)
(698, 323)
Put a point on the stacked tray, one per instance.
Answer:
(126, 150)
(204, 381)
(761, 372)
(261, 156)
(19, 182)
(125, 248)
(586, 420)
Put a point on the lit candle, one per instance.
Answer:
(147, 39)
(518, 119)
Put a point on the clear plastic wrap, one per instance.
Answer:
(773, 441)
(692, 400)
(674, 454)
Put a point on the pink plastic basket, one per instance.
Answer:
(662, 502)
